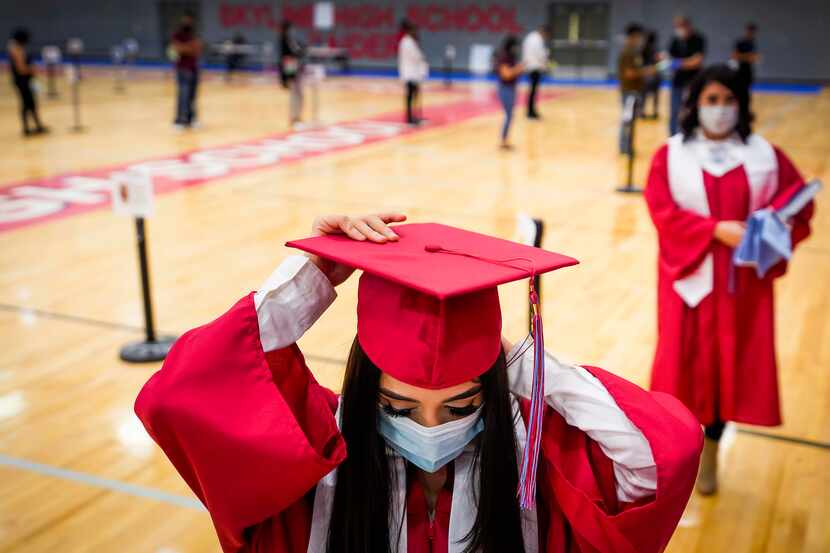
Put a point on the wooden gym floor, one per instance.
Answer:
(77, 472)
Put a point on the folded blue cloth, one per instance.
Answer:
(767, 238)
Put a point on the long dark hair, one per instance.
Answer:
(362, 499)
(21, 36)
(509, 48)
(722, 74)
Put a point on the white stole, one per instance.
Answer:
(463, 510)
(686, 163)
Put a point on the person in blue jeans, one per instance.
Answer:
(187, 48)
(508, 71)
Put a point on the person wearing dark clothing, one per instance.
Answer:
(632, 75)
(292, 53)
(412, 70)
(508, 70)
(22, 71)
(687, 50)
(235, 57)
(187, 48)
(745, 54)
(652, 85)
(535, 60)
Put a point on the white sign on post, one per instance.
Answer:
(132, 194)
(481, 59)
(51, 55)
(71, 74)
(315, 72)
(323, 15)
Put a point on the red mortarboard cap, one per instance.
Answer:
(428, 309)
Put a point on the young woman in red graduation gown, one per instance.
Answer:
(716, 340)
(422, 452)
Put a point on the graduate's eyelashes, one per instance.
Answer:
(457, 411)
(392, 412)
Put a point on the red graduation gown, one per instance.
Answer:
(252, 433)
(718, 358)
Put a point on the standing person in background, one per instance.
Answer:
(745, 55)
(686, 49)
(187, 48)
(508, 71)
(652, 87)
(292, 54)
(716, 322)
(535, 59)
(235, 58)
(632, 74)
(412, 69)
(22, 71)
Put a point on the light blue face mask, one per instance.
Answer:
(429, 448)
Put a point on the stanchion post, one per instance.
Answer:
(52, 57)
(314, 74)
(537, 281)
(118, 56)
(144, 268)
(449, 57)
(268, 50)
(629, 118)
(133, 195)
(531, 231)
(131, 48)
(74, 47)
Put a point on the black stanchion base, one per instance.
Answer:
(147, 352)
(630, 190)
(77, 128)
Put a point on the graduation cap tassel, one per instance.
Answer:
(530, 458)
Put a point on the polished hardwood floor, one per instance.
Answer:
(77, 471)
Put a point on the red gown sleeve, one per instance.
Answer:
(684, 236)
(789, 183)
(250, 432)
(579, 480)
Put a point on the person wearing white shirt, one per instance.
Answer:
(535, 60)
(412, 69)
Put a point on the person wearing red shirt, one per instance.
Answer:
(187, 48)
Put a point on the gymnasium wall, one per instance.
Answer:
(792, 37)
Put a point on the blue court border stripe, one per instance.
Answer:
(104, 483)
(779, 87)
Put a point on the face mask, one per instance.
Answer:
(680, 32)
(718, 120)
(429, 448)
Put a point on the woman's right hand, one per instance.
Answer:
(374, 227)
(730, 233)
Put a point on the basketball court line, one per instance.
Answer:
(31, 202)
(30, 312)
(783, 438)
(100, 482)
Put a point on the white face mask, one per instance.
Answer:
(718, 120)
(429, 448)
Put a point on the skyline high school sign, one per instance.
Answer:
(369, 31)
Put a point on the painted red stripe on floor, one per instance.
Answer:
(31, 202)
